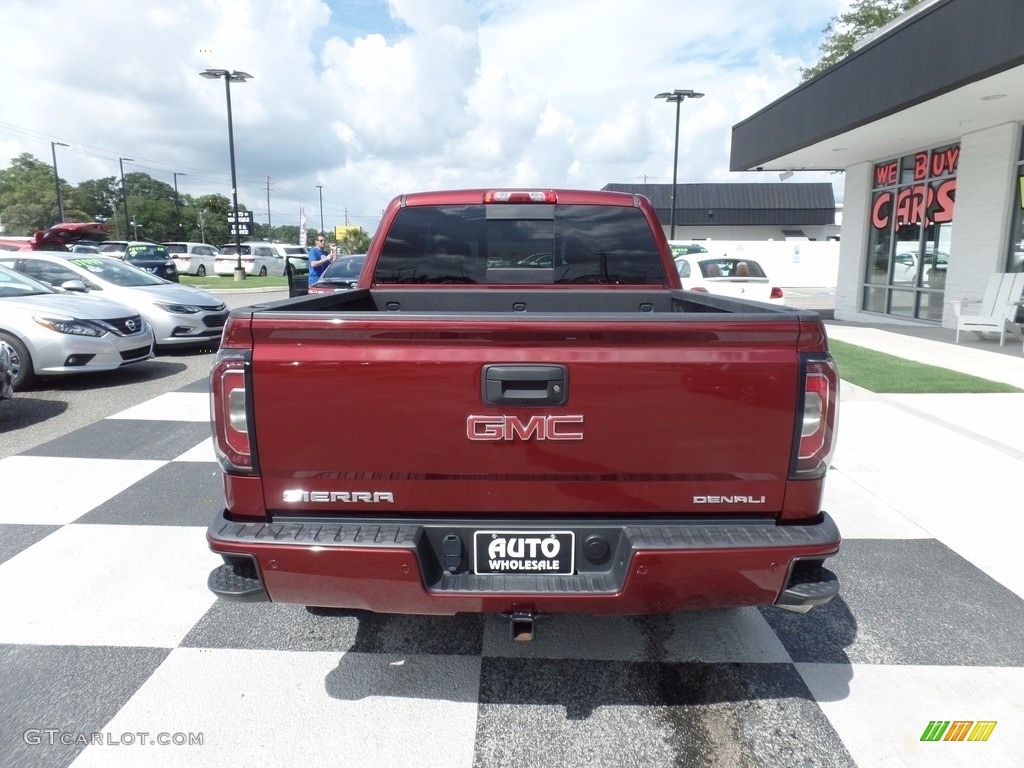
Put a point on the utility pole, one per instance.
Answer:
(177, 205)
(56, 176)
(270, 226)
(321, 188)
(124, 195)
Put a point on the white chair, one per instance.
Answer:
(997, 311)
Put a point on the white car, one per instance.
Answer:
(193, 258)
(179, 314)
(50, 333)
(740, 278)
(259, 259)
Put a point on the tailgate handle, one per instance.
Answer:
(525, 384)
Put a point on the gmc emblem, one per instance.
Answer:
(536, 428)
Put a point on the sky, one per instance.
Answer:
(353, 102)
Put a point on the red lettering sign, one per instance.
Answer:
(945, 196)
(920, 166)
(944, 162)
(885, 174)
(881, 211)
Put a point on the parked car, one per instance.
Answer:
(6, 372)
(905, 268)
(151, 257)
(59, 237)
(288, 251)
(259, 259)
(179, 314)
(341, 275)
(83, 248)
(685, 249)
(192, 258)
(51, 333)
(727, 276)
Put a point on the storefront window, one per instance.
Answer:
(1015, 257)
(911, 226)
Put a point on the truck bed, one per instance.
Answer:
(676, 387)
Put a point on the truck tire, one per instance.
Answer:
(24, 376)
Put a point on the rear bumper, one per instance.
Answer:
(398, 567)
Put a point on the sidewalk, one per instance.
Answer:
(995, 420)
(935, 346)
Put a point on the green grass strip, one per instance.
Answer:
(879, 372)
(228, 282)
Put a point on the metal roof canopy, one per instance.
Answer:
(742, 204)
(948, 68)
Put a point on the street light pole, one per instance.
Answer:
(177, 207)
(124, 195)
(321, 188)
(56, 177)
(676, 96)
(238, 77)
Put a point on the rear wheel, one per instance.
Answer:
(200, 271)
(21, 362)
(263, 271)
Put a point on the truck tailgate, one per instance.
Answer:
(661, 417)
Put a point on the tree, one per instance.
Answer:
(354, 240)
(97, 198)
(28, 196)
(842, 33)
(207, 217)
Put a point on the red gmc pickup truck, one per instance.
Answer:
(518, 410)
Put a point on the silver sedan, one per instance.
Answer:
(51, 333)
(180, 314)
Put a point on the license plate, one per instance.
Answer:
(524, 552)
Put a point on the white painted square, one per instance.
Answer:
(202, 452)
(171, 406)
(45, 490)
(955, 488)
(107, 585)
(861, 514)
(283, 708)
(881, 712)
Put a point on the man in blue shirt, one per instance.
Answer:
(319, 259)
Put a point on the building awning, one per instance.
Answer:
(946, 68)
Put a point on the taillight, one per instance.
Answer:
(230, 411)
(776, 293)
(816, 419)
(520, 196)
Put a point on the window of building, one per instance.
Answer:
(912, 203)
(1015, 256)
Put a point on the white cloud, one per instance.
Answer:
(442, 93)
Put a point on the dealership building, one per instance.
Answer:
(924, 118)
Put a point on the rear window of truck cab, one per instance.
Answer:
(520, 243)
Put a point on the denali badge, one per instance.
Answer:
(728, 499)
(512, 428)
(295, 495)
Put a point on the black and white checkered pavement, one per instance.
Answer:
(111, 644)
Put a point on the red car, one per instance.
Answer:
(59, 237)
